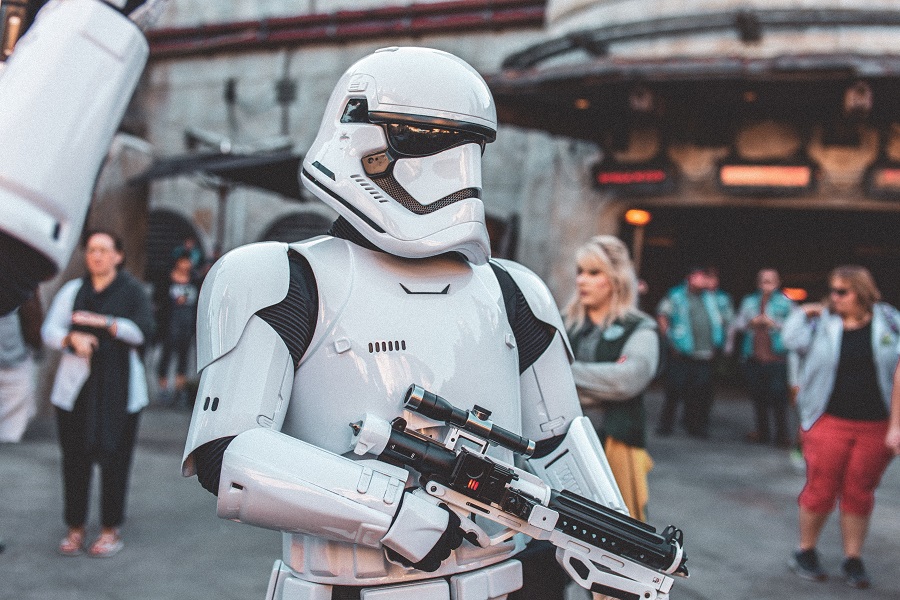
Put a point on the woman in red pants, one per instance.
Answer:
(849, 350)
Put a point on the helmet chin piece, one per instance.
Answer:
(393, 228)
(401, 163)
(476, 248)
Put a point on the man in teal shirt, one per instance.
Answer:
(764, 356)
(694, 321)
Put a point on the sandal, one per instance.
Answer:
(73, 543)
(108, 544)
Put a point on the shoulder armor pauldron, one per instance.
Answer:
(242, 282)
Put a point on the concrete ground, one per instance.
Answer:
(735, 502)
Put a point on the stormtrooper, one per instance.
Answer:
(296, 341)
(63, 91)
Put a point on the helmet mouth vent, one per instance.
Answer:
(396, 191)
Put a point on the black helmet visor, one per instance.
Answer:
(418, 135)
(423, 140)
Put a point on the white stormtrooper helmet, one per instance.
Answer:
(398, 153)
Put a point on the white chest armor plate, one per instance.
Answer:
(384, 323)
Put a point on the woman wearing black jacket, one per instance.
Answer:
(100, 322)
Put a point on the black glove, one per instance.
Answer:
(447, 543)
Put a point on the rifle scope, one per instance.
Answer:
(475, 421)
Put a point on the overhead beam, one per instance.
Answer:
(407, 21)
(750, 26)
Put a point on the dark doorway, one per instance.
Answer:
(167, 231)
(804, 245)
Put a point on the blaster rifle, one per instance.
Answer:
(601, 549)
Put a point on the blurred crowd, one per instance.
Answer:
(831, 366)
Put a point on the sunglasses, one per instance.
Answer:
(839, 292)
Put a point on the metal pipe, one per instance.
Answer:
(343, 26)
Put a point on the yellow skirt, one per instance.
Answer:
(630, 466)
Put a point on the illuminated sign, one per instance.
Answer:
(637, 217)
(882, 180)
(795, 294)
(635, 179)
(766, 179)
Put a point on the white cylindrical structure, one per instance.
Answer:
(63, 93)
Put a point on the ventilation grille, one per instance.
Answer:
(393, 189)
(365, 184)
(211, 406)
(390, 346)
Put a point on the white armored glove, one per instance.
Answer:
(422, 534)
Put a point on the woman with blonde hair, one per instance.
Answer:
(616, 356)
(849, 348)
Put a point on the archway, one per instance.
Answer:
(167, 231)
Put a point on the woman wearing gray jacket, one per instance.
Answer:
(849, 350)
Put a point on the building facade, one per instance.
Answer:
(755, 133)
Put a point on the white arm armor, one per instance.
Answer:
(274, 481)
(246, 385)
(550, 408)
(269, 479)
(317, 492)
(579, 464)
(63, 92)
